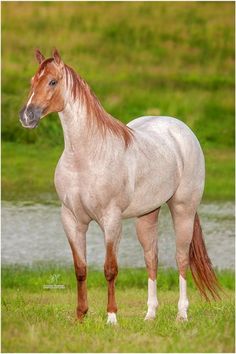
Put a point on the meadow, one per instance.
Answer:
(35, 319)
(140, 58)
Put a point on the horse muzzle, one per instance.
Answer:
(30, 116)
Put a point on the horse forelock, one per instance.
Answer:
(98, 117)
(43, 65)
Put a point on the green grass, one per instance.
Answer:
(38, 320)
(28, 172)
(140, 58)
(219, 174)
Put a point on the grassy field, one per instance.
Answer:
(39, 320)
(140, 58)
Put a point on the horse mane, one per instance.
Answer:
(98, 117)
(43, 65)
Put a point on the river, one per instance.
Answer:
(33, 234)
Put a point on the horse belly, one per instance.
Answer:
(150, 196)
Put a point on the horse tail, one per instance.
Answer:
(200, 264)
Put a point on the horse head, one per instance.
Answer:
(46, 92)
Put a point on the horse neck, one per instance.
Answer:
(73, 120)
(86, 125)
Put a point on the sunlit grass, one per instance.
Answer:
(35, 319)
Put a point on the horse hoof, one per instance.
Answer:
(150, 316)
(111, 319)
(81, 315)
(80, 319)
(181, 318)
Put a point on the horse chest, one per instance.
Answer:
(87, 189)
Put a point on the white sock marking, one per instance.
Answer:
(111, 318)
(152, 300)
(183, 300)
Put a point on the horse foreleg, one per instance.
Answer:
(112, 229)
(76, 234)
(147, 234)
(111, 271)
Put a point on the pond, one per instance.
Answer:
(34, 233)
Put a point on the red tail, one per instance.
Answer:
(200, 264)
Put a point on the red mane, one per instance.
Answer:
(103, 121)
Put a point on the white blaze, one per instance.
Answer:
(30, 99)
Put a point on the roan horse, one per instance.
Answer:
(109, 171)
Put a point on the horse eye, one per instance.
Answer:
(52, 82)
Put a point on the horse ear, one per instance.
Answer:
(39, 56)
(57, 57)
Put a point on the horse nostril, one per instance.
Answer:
(30, 114)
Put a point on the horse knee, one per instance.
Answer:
(110, 270)
(81, 273)
(110, 266)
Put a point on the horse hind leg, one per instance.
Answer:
(191, 251)
(183, 219)
(147, 234)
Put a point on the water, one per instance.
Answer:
(33, 233)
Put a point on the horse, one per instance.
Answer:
(109, 171)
